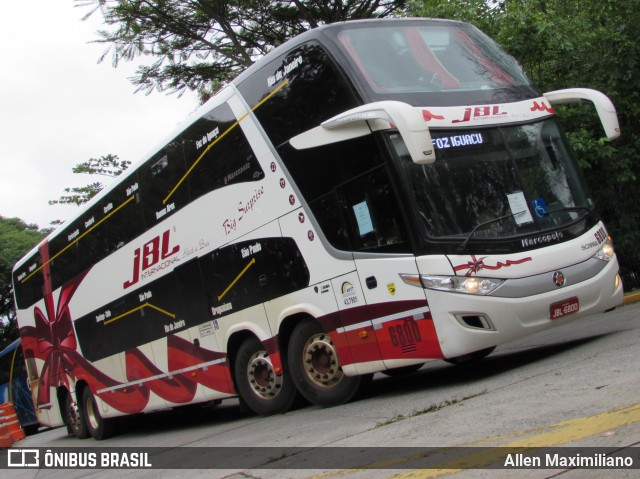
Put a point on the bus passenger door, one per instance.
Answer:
(400, 314)
(378, 233)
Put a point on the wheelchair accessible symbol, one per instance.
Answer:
(540, 207)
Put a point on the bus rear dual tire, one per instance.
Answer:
(83, 418)
(263, 390)
(98, 427)
(74, 419)
(316, 369)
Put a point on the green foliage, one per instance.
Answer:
(107, 165)
(16, 239)
(197, 42)
(481, 13)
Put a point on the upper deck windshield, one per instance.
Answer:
(433, 63)
(497, 183)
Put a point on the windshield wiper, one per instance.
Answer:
(485, 223)
(573, 208)
(500, 218)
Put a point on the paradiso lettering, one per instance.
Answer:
(152, 252)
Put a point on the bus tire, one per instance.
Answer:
(315, 367)
(74, 419)
(260, 388)
(99, 427)
(471, 357)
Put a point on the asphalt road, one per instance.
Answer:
(575, 386)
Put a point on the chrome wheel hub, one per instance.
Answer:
(263, 380)
(321, 361)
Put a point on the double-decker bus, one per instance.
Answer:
(369, 196)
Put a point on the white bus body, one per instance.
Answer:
(369, 196)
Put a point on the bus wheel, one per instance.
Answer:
(262, 390)
(98, 427)
(471, 357)
(316, 369)
(76, 424)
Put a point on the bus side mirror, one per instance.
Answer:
(363, 120)
(604, 107)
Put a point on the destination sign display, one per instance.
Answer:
(458, 140)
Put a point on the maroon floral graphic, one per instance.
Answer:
(53, 340)
(475, 265)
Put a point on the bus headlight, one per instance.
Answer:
(606, 251)
(454, 284)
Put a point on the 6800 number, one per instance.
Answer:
(406, 333)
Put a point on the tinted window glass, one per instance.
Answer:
(93, 245)
(217, 153)
(248, 273)
(497, 183)
(122, 210)
(28, 281)
(431, 63)
(307, 89)
(350, 194)
(64, 252)
(163, 186)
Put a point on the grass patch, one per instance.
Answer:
(429, 409)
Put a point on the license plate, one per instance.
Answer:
(564, 308)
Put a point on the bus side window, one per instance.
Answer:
(163, 186)
(28, 286)
(375, 221)
(217, 153)
(64, 251)
(92, 245)
(309, 88)
(122, 210)
(349, 192)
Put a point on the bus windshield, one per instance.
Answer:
(432, 57)
(497, 182)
